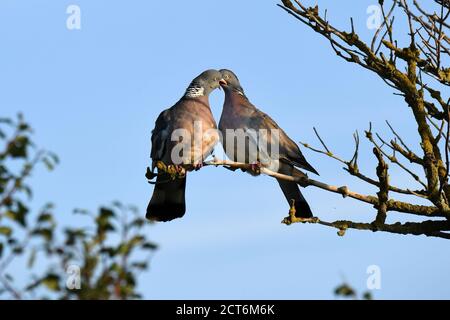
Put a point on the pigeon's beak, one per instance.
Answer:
(223, 83)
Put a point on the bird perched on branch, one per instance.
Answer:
(189, 124)
(240, 114)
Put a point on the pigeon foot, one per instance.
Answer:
(255, 168)
(293, 219)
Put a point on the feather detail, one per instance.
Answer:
(193, 92)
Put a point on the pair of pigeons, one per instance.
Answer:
(168, 200)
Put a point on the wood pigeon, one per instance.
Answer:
(189, 115)
(239, 113)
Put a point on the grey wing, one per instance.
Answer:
(160, 135)
(289, 151)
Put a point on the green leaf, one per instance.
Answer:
(118, 205)
(28, 191)
(127, 247)
(32, 258)
(115, 267)
(90, 263)
(53, 157)
(136, 240)
(6, 231)
(45, 217)
(123, 249)
(23, 127)
(344, 290)
(139, 222)
(18, 250)
(6, 121)
(106, 214)
(149, 246)
(103, 228)
(49, 164)
(46, 233)
(72, 235)
(81, 211)
(131, 279)
(140, 265)
(51, 281)
(109, 250)
(18, 147)
(18, 215)
(367, 296)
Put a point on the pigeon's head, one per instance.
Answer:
(230, 81)
(205, 83)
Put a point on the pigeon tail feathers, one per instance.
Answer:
(168, 200)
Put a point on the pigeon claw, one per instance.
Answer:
(255, 168)
(290, 220)
(175, 171)
(179, 169)
(198, 166)
(293, 219)
(150, 175)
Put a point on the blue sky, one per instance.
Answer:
(93, 96)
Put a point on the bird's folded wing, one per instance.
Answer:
(160, 135)
(289, 151)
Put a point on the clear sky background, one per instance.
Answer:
(93, 96)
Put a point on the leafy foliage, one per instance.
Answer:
(347, 292)
(98, 260)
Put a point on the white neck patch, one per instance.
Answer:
(193, 92)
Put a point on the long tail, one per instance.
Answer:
(168, 200)
(292, 191)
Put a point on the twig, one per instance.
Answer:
(392, 205)
(429, 228)
(321, 141)
(382, 173)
